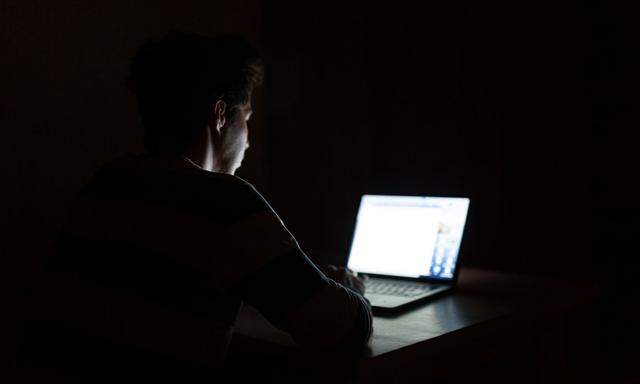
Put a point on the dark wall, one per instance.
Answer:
(485, 100)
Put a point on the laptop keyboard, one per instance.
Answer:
(393, 288)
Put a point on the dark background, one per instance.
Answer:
(526, 108)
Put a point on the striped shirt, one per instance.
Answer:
(158, 255)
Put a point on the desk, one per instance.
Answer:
(491, 316)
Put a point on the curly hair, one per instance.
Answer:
(177, 78)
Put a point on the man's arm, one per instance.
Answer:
(294, 295)
(318, 312)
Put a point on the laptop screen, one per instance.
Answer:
(408, 236)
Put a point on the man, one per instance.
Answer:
(161, 249)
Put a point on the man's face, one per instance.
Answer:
(235, 139)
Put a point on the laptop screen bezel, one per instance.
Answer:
(424, 279)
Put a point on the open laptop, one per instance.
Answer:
(408, 247)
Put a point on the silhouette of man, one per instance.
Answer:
(161, 249)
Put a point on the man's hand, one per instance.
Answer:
(346, 277)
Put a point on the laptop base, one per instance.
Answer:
(387, 304)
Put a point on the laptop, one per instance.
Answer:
(408, 247)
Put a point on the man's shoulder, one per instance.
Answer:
(138, 167)
(230, 181)
(190, 188)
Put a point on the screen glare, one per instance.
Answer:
(408, 236)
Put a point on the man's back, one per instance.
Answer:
(156, 259)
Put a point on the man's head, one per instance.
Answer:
(193, 89)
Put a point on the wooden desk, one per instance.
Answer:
(490, 316)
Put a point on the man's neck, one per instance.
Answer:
(201, 153)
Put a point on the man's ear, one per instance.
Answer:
(219, 114)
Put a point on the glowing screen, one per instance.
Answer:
(410, 236)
